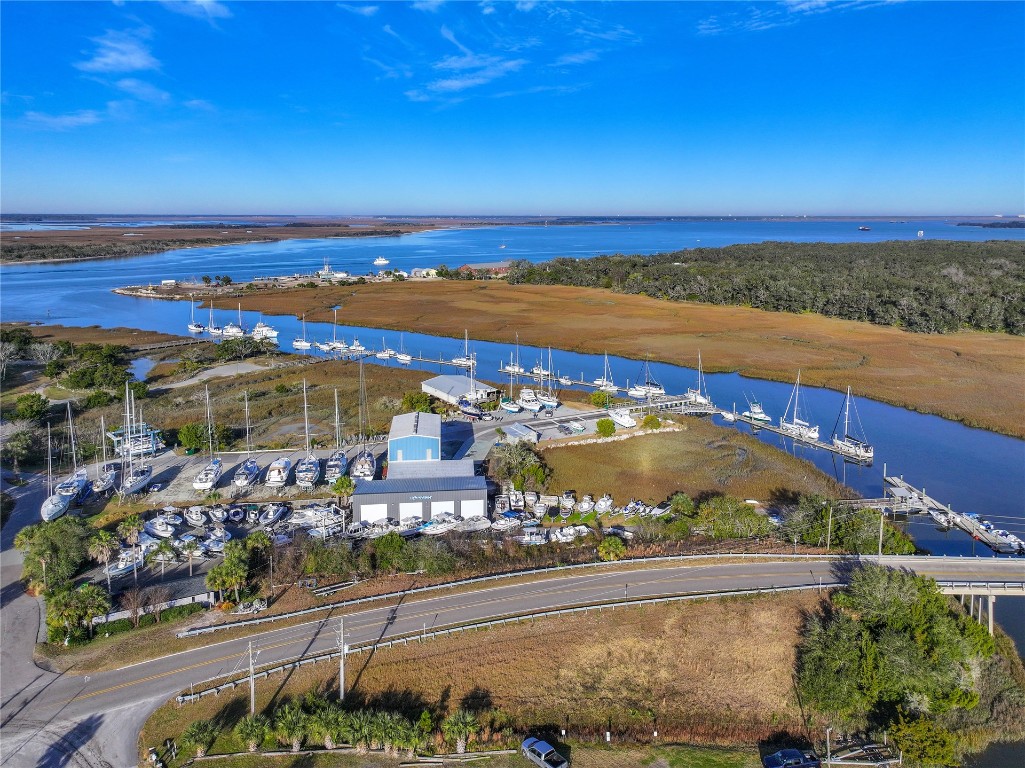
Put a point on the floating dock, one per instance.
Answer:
(770, 427)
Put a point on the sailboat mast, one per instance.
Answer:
(248, 448)
(71, 439)
(209, 424)
(306, 418)
(49, 462)
(338, 431)
(847, 414)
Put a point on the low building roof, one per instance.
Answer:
(420, 485)
(411, 470)
(454, 385)
(415, 423)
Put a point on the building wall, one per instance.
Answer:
(414, 448)
(401, 505)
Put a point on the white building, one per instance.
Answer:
(450, 388)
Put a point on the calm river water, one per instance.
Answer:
(971, 469)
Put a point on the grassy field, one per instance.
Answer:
(971, 377)
(698, 459)
(715, 673)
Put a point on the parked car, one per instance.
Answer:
(542, 754)
(792, 758)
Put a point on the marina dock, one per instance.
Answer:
(769, 427)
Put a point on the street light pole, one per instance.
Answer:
(882, 516)
(341, 658)
(829, 754)
(252, 682)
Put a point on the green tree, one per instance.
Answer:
(163, 553)
(330, 725)
(416, 401)
(103, 546)
(359, 730)
(31, 407)
(129, 529)
(253, 729)
(343, 488)
(291, 725)
(923, 741)
(459, 728)
(192, 436)
(53, 552)
(191, 550)
(611, 549)
(651, 421)
(601, 399)
(200, 735)
(605, 427)
(140, 389)
(681, 505)
(728, 518)
(206, 280)
(519, 464)
(93, 602)
(389, 552)
(64, 609)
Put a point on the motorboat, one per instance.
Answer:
(566, 381)
(516, 500)
(196, 517)
(529, 401)
(236, 514)
(622, 417)
(208, 476)
(380, 261)
(218, 513)
(603, 505)
(252, 514)
(532, 538)
(364, 466)
(127, 561)
(216, 538)
(335, 466)
(246, 473)
(323, 346)
(356, 348)
(263, 331)
(233, 331)
(439, 525)
(272, 513)
(797, 426)
(159, 527)
(585, 505)
(473, 524)
(278, 471)
(54, 506)
(755, 412)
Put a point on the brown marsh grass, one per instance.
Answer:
(972, 377)
(699, 458)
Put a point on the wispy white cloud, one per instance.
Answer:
(209, 10)
(581, 57)
(481, 76)
(486, 7)
(616, 34)
(431, 6)
(63, 122)
(199, 104)
(120, 51)
(359, 10)
(525, 5)
(761, 17)
(390, 70)
(140, 89)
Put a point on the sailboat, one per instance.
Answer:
(335, 344)
(507, 403)
(464, 360)
(849, 445)
(234, 330)
(55, 504)
(755, 412)
(195, 327)
(605, 383)
(515, 367)
(213, 330)
(249, 469)
(698, 396)
(646, 385)
(386, 352)
(796, 426)
(364, 466)
(547, 392)
(211, 473)
(77, 485)
(137, 476)
(402, 356)
(307, 470)
(106, 473)
(336, 463)
(302, 343)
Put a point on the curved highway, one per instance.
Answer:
(48, 719)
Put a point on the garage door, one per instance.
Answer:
(439, 507)
(411, 509)
(371, 513)
(471, 508)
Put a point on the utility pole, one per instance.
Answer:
(252, 683)
(829, 754)
(341, 658)
(829, 529)
(882, 516)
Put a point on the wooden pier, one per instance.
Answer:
(770, 427)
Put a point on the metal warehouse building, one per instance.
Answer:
(449, 388)
(414, 437)
(422, 489)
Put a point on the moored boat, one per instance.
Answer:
(793, 423)
(278, 471)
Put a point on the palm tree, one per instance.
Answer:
(200, 735)
(460, 727)
(63, 606)
(129, 529)
(291, 724)
(92, 602)
(359, 730)
(102, 547)
(190, 549)
(343, 488)
(331, 725)
(253, 729)
(163, 552)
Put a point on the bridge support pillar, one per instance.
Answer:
(992, 602)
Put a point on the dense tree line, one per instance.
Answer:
(891, 652)
(923, 286)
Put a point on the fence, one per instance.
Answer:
(206, 598)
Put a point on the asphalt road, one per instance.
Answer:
(58, 720)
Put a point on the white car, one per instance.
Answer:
(542, 754)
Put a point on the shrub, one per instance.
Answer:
(606, 427)
(97, 399)
(651, 421)
(611, 549)
(31, 407)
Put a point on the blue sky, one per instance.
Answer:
(800, 107)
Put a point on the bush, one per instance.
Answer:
(416, 401)
(113, 627)
(31, 407)
(611, 549)
(601, 399)
(651, 421)
(147, 620)
(606, 427)
(181, 611)
(54, 368)
(97, 399)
